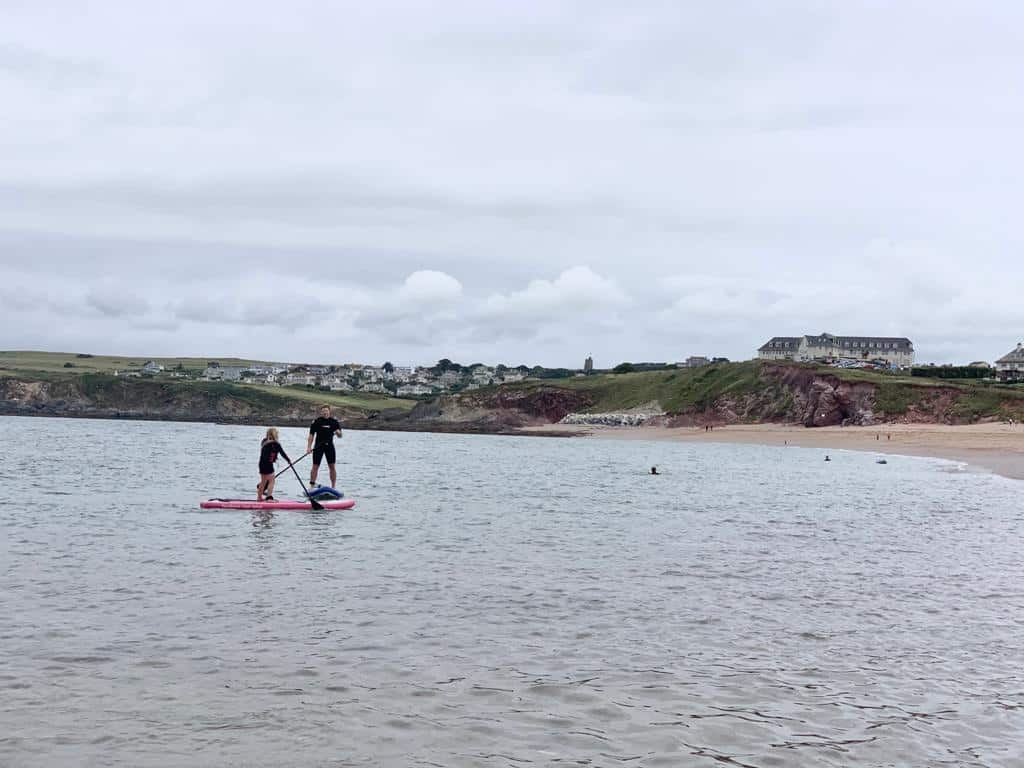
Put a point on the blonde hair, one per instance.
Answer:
(271, 434)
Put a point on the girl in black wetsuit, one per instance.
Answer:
(269, 450)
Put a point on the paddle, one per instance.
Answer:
(312, 502)
(296, 461)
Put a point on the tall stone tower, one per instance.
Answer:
(588, 365)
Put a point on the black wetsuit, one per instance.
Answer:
(323, 441)
(268, 455)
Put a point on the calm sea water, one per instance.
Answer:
(503, 602)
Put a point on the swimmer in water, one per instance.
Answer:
(654, 470)
(827, 458)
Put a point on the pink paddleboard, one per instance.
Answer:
(282, 504)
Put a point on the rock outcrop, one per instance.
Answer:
(503, 408)
(607, 419)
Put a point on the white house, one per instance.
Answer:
(779, 348)
(450, 379)
(414, 390)
(1010, 366)
(333, 380)
(483, 376)
(223, 372)
(151, 367)
(402, 372)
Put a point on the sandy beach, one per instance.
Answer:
(996, 447)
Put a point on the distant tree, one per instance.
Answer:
(624, 368)
(444, 365)
(553, 373)
(500, 368)
(69, 365)
(388, 368)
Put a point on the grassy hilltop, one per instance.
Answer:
(45, 383)
(688, 388)
(70, 362)
(54, 383)
(746, 392)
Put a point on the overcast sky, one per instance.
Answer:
(517, 182)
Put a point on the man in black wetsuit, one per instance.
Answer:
(321, 443)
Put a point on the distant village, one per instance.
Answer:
(387, 379)
(881, 353)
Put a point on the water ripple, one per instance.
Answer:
(505, 602)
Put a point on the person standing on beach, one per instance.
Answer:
(322, 432)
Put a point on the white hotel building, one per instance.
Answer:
(898, 351)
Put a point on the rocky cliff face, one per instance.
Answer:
(143, 399)
(822, 400)
(779, 394)
(800, 395)
(783, 394)
(504, 408)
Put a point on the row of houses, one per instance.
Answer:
(404, 381)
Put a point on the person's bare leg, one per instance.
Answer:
(269, 490)
(334, 475)
(313, 473)
(261, 488)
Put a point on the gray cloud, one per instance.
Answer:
(729, 170)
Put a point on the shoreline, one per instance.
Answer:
(994, 447)
(364, 425)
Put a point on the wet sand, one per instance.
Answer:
(996, 447)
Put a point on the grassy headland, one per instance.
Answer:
(44, 383)
(751, 392)
(760, 392)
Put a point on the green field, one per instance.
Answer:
(368, 401)
(676, 390)
(29, 362)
